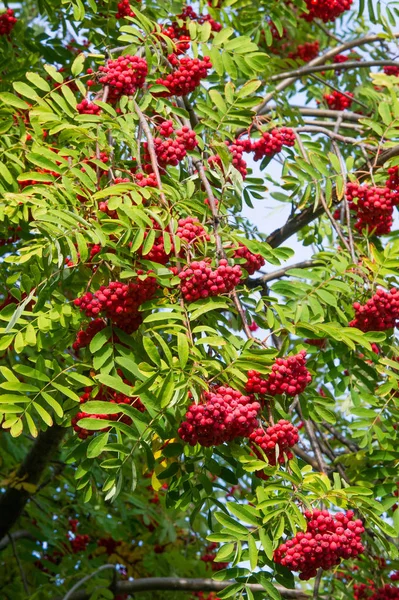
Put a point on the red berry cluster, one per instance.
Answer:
(373, 207)
(189, 13)
(125, 74)
(237, 149)
(186, 76)
(182, 41)
(172, 151)
(306, 51)
(392, 183)
(88, 108)
(340, 58)
(272, 142)
(328, 539)
(391, 70)
(388, 592)
(79, 543)
(119, 302)
(224, 415)
(209, 558)
(191, 231)
(124, 10)
(253, 262)
(380, 313)
(149, 180)
(84, 336)
(275, 441)
(326, 10)
(289, 376)
(109, 544)
(105, 395)
(199, 280)
(338, 101)
(7, 22)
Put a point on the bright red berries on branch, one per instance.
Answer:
(124, 10)
(124, 75)
(338, 101)
(289, 376)
(7, 22)
(172, 151)
(186, 76)
(380, 313)
(253, 262)
(88, 108)
(272, 142)
(224, 415)
(275, 442)
(373, 207)
(119, 302)
(199, 280)
(306, 52)
(391, 70)
(326, 10)
(328, 540)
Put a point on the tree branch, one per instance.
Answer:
(251, 283)
(179, 584)
(17, 535)
(350, 64)
(331, 134)
(13, 501)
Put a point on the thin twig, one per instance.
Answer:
(350, 64)
(21, 570)
(306, 264)
(77, 585)
(338, 435)
(332, 135)
(317, 584)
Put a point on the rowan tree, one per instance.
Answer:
(187, 410)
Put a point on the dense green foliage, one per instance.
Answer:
(75, 216)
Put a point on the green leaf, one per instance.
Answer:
(38, 81)
(115, 383)
(94, 424)
(24, 90)
(77, 65)
(32, 373)
(152, 351)
(99, 407)
(270, 589)
(12, 100)
(182, 349)
(43, 414)
(248, 514)
(68, 392)
(53, 403)
(253, 553)
(97, 445)
(100, 339)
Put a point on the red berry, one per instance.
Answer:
(7, 22)
(328, 540)
(380, 313)
(224, 415)
(200, 281)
